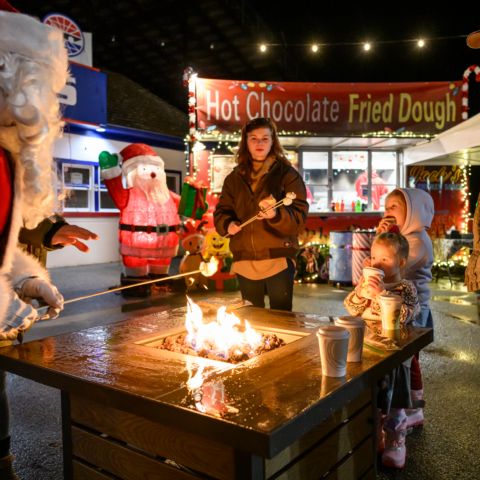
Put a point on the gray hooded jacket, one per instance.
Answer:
(419, 216)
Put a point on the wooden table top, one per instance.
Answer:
(272, 400)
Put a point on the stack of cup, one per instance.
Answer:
(390, 308)
(333, 344)
(356, 328)
(367, 273)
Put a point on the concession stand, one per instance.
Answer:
(132, 408)
(347, 139)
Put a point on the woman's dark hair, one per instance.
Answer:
(244, 159)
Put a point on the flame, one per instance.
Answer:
(225, 336)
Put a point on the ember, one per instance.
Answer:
(224, 339)
(236, 354)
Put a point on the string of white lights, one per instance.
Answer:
(366, 45)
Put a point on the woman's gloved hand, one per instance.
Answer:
(36, 288)
(19, 317)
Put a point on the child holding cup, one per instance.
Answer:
(411, 211)
(389, 254)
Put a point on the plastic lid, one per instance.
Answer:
(373, 270)
(333, 331)
(390, 296)
(349, 321)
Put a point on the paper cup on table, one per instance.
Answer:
(333, 345)
(390, 307)
(356, 328)
(368, 272)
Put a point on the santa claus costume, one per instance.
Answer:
(149, 221)
(33, 70)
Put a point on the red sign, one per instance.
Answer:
(330, 108)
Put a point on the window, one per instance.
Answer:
(105, 202)
(384, 174)
(349, 180)
(77, 183)
(174, 180)
(83, 190)
(315, 176)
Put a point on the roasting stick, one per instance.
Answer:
(287, 200)
(207, 270)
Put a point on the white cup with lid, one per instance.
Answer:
(356, 327)
(333, 345)
(368, 272)
(390, 308)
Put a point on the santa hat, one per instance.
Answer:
(31, 39)
(137, 153)
(473, 40)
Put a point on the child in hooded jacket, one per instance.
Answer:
(389, 253)
(412, 210)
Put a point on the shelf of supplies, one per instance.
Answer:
(369, 213)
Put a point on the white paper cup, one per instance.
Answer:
(333, 345)
(368, 272)
(356, 327)
(390, 306)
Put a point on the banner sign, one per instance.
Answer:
(330, 108)
(84, 97)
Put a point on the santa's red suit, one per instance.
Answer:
(149, 221)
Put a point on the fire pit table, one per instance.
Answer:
(131, 410)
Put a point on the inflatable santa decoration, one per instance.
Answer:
(148, 209)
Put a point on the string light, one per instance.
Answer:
(419, 42)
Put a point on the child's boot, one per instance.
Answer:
(380, 431)
(395, 431)
(415, 415)
(6, 468)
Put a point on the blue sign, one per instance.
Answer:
(84, 98)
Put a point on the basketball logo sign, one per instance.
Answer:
(73, 36)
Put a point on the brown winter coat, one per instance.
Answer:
(262, 239)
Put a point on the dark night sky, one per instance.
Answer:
(299, 22)
(390, 62)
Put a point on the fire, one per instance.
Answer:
(225, 336)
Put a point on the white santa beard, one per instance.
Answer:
(155, 189)
(31, 100)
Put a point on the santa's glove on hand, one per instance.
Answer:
(36, 288)
(107, 160)
(19, 317)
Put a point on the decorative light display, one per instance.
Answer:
(466, 173)
(312, 263)
(466, 74)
